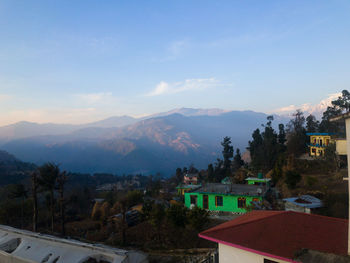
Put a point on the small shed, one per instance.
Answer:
(303, 203)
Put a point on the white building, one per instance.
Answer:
(277, 236)
(20, 246)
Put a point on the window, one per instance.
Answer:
(241, 202)
(269, 261)
(193, 199)
(219, 201)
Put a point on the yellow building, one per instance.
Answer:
(318, 143)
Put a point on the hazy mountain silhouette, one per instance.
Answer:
(147, 145)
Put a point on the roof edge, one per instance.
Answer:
(244, 223)
(277, 213)
(248, 249)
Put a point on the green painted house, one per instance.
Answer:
(224, 197)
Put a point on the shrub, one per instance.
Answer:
(197, 218)
(176, 214)
(292, 178)
(310, 181)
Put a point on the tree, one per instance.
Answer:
(331, 157)
(270, 146)
(281, 134)
(227, 152)
(61, 180)
(343, 102)
(47, 179)
(277, 171)
(296, 134)
(264, 147)
(219, 170)
(237, 160)
(211, 173)
(339, 106)
(192, 169)
(19, 191)
(281, 138)
(34, 177)
(256, 149)
(334, 127)
(179, 175)
(312, 124)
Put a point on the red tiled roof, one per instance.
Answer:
(282, 233)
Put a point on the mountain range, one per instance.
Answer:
(158, 143)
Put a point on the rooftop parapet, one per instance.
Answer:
(24, 246)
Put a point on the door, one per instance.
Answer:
(205, 202)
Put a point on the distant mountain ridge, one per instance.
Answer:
(128, 145)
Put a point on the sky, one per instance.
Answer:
(80, 61)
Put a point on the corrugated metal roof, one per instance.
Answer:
(307, 201)
(233, 189)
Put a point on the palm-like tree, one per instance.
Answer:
(48, 174)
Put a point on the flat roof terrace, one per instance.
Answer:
(24, 246)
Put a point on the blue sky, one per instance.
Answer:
(79, 61)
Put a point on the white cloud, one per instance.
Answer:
(164, 88)
(308, 108)
(96, 98)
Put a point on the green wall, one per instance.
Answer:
(230, 202)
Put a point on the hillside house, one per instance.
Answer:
(191, 178)
(224, 197)
(304, 203)
(318, 142)
(278, 237)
